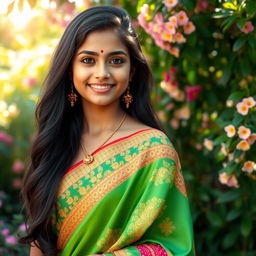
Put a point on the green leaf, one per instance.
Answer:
(237, 120)
(237, 153)
(228, 196)
(246, 226)
(239, 43)
(228, 22)
(251, 7)
(252, 43)
(236, 96)
(241, 23)
(214, 218)
(233, 214)
(189, 4)
(220, 139)
(230, 239)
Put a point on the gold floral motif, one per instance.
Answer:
(167, 227)
(142, 218)
(164, 174)
(109, 238)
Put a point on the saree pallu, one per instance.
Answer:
(130, 201)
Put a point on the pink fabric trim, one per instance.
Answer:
(151, 250)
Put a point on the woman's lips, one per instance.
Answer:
(100, 88)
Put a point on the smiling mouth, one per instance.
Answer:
(97, 87)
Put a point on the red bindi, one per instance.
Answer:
(101, 51)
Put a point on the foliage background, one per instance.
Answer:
(196, 97)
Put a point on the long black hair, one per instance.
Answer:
(60, 126)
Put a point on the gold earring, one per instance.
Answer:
(128, 98)
(72, 96)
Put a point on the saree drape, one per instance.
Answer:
(130, 201)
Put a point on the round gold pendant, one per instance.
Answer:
(88, 159)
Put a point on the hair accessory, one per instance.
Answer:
(89, 158)
(72, 97)
(128, 98)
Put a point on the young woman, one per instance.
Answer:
(103, 179)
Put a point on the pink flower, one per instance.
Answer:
(10, 240)
(170, 3)
(16, 183)
(174, 51)
(18, 166)
(173, 69)
(228, 179)
(5, 231)
(189, 28)
(242, 108)
(193, 92)
(248, 27)
(167, 77)
(22, 227)
(182, 18)
(6, 138)
(29, 82)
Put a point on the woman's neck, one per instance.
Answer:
(101, 118)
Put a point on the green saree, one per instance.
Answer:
(130, 201)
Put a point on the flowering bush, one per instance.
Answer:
(206, 99)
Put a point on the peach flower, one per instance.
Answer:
(230, 130)
(223, 149)
(243, 145)
(228, 179)
(170, 3)
(242, 108)
(248, 27)
(179, 38)
(252, 138)
(182, 18)
(189, 28)
(244, 132)
(173, 20)
(174, 51)
(249, 166)
(208, 144)
(250, 102)
(167, 36)
(170, 27)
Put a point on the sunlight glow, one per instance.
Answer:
(21, 19)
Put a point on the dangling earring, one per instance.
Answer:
(128, 98)
(72, 97)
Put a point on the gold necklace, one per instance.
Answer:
(89, 158)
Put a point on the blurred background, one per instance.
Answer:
(203, 57)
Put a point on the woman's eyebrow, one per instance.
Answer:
(97, 54)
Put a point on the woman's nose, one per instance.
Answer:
(102, 72)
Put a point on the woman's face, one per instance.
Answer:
(101, 68)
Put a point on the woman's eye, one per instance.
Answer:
(88, 60)
(117, 61)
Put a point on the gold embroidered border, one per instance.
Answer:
(105, 186)
(180, 183)
(105, 154)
